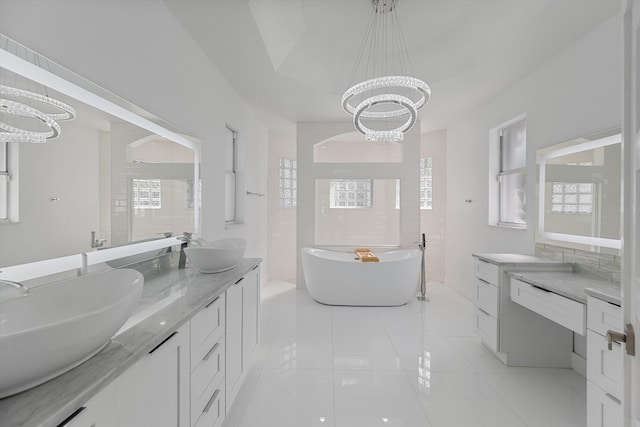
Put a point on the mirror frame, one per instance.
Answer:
(47, 78)
(554, 153)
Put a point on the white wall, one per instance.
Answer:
(579, 92)
(45, 174)
(433, 221)
(282, 221)
(137, 50)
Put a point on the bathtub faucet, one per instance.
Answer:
(423, 280)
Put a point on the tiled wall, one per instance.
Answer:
(602, 265)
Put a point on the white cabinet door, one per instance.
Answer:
(233, 336)
(250, 304)
(99, 411)
(165, 387)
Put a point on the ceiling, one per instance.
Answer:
(291, 59)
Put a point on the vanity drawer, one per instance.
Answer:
(486, 271)
(206, 379)
(602, 316)
(212, 414)
(487, 297)
(564, 311)
(604, 366)
(487, 328)
(603, 409)
(207, 327)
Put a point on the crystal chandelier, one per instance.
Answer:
(29, 116)
(385, 104)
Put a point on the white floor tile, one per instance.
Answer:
(300, 351)
(577, 382)
(364, 352)
(356, 320)
(462, 399)
(376, 399)
(407, 321)
(540, 399)
(291, 398)
(307, 317)
(428, 352)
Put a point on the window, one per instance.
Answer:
(9, 202)
(511, 177)
(288, 183)
(230, 164)
(350, 193)
(426, 183)
(572, 198)
(147, 194)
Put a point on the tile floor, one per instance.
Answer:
(411, 366)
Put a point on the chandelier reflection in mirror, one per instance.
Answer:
(28, 113)
(385, 103)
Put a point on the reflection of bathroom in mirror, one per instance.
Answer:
(109, 171)
(580, 193)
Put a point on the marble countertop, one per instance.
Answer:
(167, 302)
(516, 259)
(573, 285)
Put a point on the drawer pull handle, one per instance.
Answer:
(210, 352)
(541, 289)
(210, 402)
(239, 280)
(254, 268)
(484, 312)
(163, 342)
(612, 397)
(72, 416)
(209, 305)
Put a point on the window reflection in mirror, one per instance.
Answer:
(580, 192)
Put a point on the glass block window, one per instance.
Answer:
(350, 193)
(426, 183)
(288, 183)
(147, 194)
(572, 197)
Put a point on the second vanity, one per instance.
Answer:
(527, 312)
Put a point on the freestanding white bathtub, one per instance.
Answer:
(336, 278)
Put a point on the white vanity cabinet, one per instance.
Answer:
(242, 332)
(190, 378)
(208, 364)
(153, 392)
(164, 390)
(517, 336)
(97, 412)
(604, 366)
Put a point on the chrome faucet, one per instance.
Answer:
(96, 243)
(16, 285)
(186, 239)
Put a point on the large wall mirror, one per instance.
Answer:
(580, 194)
(114, 171)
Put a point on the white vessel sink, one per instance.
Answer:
(62, 324)
(216, 256)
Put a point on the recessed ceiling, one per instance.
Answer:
(291, 59)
